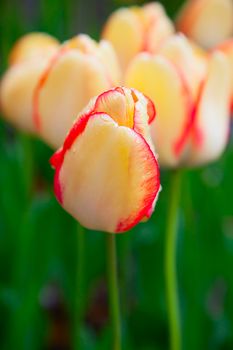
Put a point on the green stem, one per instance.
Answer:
(79, 286)
(170, 263)
(113, 290)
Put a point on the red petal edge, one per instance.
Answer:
(197, 132)
(102, 97)
(57, 159)
(151, 111)
(190, 117)
(147, 207)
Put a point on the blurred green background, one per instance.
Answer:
(39, 245)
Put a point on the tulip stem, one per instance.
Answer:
(79, 286)
(113, 290)
(170, 262)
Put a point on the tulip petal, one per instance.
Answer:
(16, 93)
(212, 121)
(107, 55)
(83, 43)
(137, 29)
(179, 50)
(108, 178)
(33, 45)
(156, 77)
(208, 22)
(125, 32)
(64, 90)
(227, 49)
(103, 51)
(113, 103)
(159, 26)
(128, 107)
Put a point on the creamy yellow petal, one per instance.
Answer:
(108, 176)
(103, 50)
(187, 59)
(213, 118)
(227, 49)
(114, 103)
(157, 78)
(126, 33)
(159, 26)
(16, 93)
(33, 45)
(107, 55)
(83, 43)
(68, 86)
(158, 34)
(127, 107)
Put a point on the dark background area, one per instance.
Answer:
(38, 240)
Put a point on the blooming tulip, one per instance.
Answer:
(135, 29)
(191, 92)
(28, 59)
(81, 69)
(106, 173)
(208, 22)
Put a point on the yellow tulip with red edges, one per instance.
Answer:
(106, 172)
(28, 59)
(80, 70)
(191, 91)
(207, 22)
(135, 29)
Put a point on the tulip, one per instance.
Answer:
(106, 172)
(192, 92)
(227, 48)
(28, 58)
(81, 69)
(207, 22)
(135, 29)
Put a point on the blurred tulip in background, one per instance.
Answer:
(193, 118)
(28, 59)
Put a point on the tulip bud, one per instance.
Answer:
(81, 70)
(192, 94)
(106, 173)
(207, 22)
(135, 29)
(28, 58)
